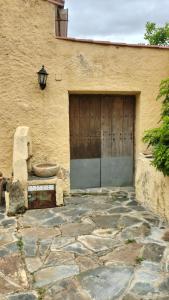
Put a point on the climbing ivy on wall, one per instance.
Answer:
(158, 138)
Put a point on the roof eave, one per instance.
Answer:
(60, 3)
(107, 43)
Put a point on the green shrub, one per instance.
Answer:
(156, 35)
(158, 138)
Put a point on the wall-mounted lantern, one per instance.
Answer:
(42, 77)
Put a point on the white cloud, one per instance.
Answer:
(118, 21)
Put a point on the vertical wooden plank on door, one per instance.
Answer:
(117, 145)
(117, 125)
(74, 126)
(106, 126)
(95, 126)
(128, 125)
(84, 134)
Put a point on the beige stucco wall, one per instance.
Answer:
(152, 188)
(27, 41)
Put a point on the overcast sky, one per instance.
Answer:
(115, 20)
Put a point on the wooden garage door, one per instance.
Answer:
(101, 140)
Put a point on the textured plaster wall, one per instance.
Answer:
(27, 40)
(152, 188)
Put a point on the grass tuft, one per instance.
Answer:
(139, 259)
(20, 244)
(130, 241)
(41, 293)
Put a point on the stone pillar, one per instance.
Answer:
(59, 192)
(22, 153)
(15, 200)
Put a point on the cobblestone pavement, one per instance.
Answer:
(100, 247)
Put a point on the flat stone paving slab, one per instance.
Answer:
(127, 254)
(107, 221)
(87, 262)
(106, 282)
(153, 252)
(33, 264)
(60, 258)
(77, 248)
(95, 243)
(126, 221)
(6, 237)
(12, 274)
(67, 289)
(97, 247)
(7, 223)
(49, 275)
(24, 296)
(106, 233)
(60, 242)
(40, 233)
(139, 230)
(76, 229)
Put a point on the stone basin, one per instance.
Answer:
(45, 170)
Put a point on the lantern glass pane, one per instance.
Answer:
(39, 78)
(44, 78)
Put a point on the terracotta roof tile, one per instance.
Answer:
(112, 44)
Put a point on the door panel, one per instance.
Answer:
(101, 140)
(117, 115)
(85, 141)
